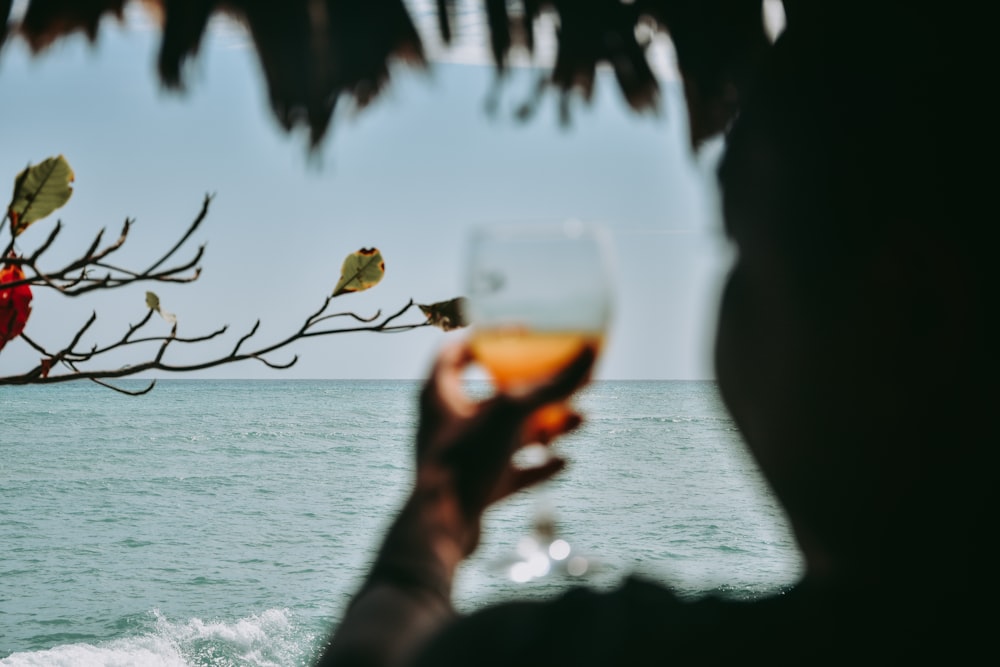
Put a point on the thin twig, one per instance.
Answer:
(75, 278)
(73, 359)
(197, 222)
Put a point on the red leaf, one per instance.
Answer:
(15, 304)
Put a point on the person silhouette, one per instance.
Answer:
(854, 353)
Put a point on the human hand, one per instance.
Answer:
(465, 447)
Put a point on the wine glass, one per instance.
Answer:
(538, 295)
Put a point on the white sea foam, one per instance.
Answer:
(150, 651)
(258, 640)
(267, 639)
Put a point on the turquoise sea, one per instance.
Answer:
(228, 522)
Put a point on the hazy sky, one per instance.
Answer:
(409, 175)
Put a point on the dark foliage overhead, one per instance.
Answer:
(315, 51)
(4, 13)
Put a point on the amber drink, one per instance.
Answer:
(538, 296)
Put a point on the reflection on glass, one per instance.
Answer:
(538, 295)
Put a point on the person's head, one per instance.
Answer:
(852, 347)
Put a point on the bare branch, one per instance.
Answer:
(75, 277)
(73, 359)
(359, 318)
(90, 363)
(79, 334)
(48, 242)
(139, 392)
(135, 327)
(194, 225)
(38, 348)
(398, 314)
(280, 367)
(246, 337)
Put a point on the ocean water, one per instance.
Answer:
(228, 522)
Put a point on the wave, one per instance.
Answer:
(268, 639)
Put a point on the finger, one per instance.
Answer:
(455, 356)
(522, 478)
(444, 386)
(442, 398)
(550, 423)
(568, 380)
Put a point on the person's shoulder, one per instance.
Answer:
(644, 623)
(639, 622)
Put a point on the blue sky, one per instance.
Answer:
(409, 175)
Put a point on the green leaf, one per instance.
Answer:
(361, 270)
(445, 314)
(38, 191)
(153, 302)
